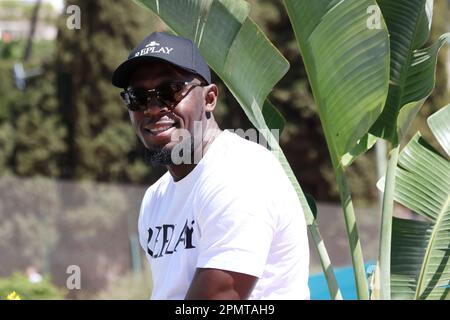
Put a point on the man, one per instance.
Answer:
(224, 223)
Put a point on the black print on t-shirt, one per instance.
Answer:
(162, 241)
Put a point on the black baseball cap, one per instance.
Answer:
(176, 50)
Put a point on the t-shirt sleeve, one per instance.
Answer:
(236, 230)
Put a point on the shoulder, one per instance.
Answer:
(157, 189)
(243, 172)
(248, 175)
(248, 155)
(254, 164)
(154, 196)
(153, 192)
(239, 167)
(248, 142)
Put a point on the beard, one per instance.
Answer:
(157, 157)
(164, 157)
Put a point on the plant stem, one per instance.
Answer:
(311, 222)
(384, 254)
(333, 288)
(353, 237)
(381, 156)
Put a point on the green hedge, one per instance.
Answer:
(18, 282)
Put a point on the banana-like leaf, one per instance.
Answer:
(364, 144)
(438, 123)
(420, 263)
(412, 68)
(347, 63)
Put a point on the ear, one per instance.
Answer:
(210, 93)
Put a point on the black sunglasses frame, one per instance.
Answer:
(137, 99)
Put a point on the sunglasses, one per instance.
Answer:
(167, 94)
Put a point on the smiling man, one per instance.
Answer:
(224, 223)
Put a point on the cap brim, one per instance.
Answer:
(121, 76)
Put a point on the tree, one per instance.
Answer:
(31, 131)
(39, 131)
(101, 143)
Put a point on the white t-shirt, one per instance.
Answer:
(235, 211)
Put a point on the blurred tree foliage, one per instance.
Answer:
(15, 10)
(40, 132)
(31, 129)
(101, 143)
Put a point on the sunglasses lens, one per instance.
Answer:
(140, 96)
(127, 99)
(136, 99)
(167, 95)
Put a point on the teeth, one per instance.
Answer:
(159, 128)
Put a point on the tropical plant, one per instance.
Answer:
(421, 249)
(368, 81)
(412, 79)
(348, 69)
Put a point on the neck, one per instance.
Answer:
(180, 171)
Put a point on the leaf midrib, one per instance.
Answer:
(311, 76)
(407, 65)
(427, 256)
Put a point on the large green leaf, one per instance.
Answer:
(412, 68)
(438, 123)
(347, 64)
(420, 263)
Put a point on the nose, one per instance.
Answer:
(155, 108)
